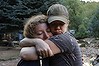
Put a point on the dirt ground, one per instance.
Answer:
(9, 56)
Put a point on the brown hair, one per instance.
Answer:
(29, 28)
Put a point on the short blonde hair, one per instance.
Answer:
(29, 28)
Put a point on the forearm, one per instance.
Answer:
(53, 47)
(28, 53)
(27, 42)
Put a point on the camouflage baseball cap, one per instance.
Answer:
(57, 12)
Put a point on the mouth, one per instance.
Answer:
(58, 32)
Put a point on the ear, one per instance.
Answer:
(68, 21)
(67, 24)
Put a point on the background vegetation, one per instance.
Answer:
(84, 17)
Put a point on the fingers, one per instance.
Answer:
(50, 53)
(44, 50)
(45, 53)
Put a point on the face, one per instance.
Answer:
(42, 31)
(58, 27)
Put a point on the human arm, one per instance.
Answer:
(40, 44)
(58, 47)
(30, 53)
(26, 42)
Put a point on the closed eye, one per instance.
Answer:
(39, 33)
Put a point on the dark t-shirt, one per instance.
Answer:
(71, 54)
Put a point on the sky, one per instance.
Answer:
(91, 0)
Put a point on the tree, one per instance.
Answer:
(75, 8)
(75, 12)
(94, 27)
(80, 16)
(14, 12)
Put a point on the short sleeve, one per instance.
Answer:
(63, 42)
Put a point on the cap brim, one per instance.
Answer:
(59, 18)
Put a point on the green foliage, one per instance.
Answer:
(76, 11)
(21, 9)
(82, 31)
(81, 14)
(14, 12)
(95, 24)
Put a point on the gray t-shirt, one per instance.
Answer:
(70, 51)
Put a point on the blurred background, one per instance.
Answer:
(84, 22)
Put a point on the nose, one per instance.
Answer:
(46, 36)
(57, 27)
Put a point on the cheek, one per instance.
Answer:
(65, 27)
(40, 36)
(52, 31)
(50, 34)
(52, 28)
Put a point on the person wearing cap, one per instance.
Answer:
(67, 52)
(58, 20)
